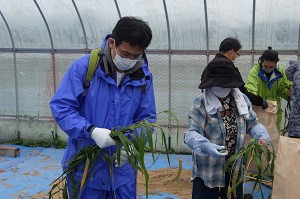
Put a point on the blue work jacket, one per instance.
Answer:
(106, 105)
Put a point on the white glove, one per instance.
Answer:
(123, 158)
(102, 138)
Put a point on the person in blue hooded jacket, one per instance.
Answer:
(121, 93)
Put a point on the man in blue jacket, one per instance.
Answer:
(121, 93)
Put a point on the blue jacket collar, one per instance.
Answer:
(277, 76)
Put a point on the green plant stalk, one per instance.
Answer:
(179, 169)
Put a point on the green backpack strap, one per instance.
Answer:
(93, 63)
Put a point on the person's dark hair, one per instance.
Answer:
(230, 43)
(132, 30)
(269, 55)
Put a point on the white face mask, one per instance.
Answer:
(234, 56)
(233, 60)
(220, 92)
(123, 63)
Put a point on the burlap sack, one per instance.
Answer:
(268, 118)
(287, 167)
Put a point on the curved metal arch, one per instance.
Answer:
(253, 32)
(9, 31)
(206, 31)
(118, 9)
(169, 48)
(52, 52)
(15, 71)
(46, 23)
(82, 25)
(170, 61)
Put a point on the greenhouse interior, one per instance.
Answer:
(39, 41)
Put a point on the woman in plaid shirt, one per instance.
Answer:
(218, 121)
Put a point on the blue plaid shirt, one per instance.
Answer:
(204, 127)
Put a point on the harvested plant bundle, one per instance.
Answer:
(260, 155)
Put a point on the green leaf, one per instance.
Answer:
(65, 192)
(250, 143)
(85, 173)
(258, 161)
(231, 160)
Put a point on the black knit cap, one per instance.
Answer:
(221, 72)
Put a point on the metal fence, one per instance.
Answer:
(28, 81)
(39, 40)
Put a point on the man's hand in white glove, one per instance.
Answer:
(102, 138)
(123, 158)
(215, 150)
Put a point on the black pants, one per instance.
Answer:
(201, 191)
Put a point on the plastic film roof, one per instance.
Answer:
(176, 24)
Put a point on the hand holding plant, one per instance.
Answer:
(140, 142)
(263, 158)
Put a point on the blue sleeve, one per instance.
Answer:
(193, 137)
(66, 101)
(258, 132)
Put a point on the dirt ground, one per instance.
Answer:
(162, 180)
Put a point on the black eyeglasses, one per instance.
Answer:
(125, 54)
(238, 54)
